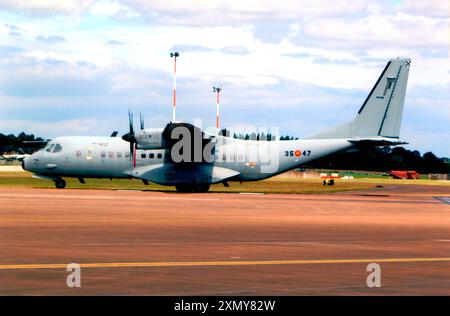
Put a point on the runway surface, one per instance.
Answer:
(156, 243)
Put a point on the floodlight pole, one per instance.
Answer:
(217, 91)
(174, 55)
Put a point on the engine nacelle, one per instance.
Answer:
(150, 138)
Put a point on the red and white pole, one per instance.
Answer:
(217, 91)
(175, 55)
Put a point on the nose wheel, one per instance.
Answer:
(60, 183)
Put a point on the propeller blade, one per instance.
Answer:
(131, 151)
(141, 119)
(130, 121)
(129, 137)
(134, 155)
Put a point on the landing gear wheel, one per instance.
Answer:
(60, 183)
(192, 188)
(184, 188)
(201, 188)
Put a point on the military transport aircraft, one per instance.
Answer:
(182, 155)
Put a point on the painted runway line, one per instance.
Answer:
(169, 264)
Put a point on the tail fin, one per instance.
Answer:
(381, 113)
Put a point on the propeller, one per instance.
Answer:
(130, 137)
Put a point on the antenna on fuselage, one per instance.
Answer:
(217, 90)
(174, 55)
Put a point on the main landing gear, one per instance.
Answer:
(193, 188)
(60, 183)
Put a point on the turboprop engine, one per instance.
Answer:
(150, 138)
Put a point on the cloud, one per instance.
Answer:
(322, 60)
(300, 55)
(372, 60)
(115, 42)
(76, 126)
(14, 30)
(30, 77)
(433, 8)
(273, 32)
(191, 48)
(235, 50)
(12, 27)
(46, 6)
(51, 39)
(377, 30)
(10, 50)
(224, 12)
(232, 50)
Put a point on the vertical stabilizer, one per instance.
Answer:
(382, 111)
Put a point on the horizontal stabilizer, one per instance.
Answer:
(380, 141)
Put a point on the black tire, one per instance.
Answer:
(184, 188)
(60, 183)
(201, 188)
(193, 188)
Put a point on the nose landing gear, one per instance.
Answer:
(60, 183)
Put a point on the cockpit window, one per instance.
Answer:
(50, 148)
(57, 148)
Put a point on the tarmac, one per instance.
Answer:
(162, 243)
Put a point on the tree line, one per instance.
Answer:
(384, 159)
(12, 143)
(254, 136)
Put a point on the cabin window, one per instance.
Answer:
(103, 154)
(224, 157)
(119, 154)
(159, 156)
(111, 154)
(45, 147)
(143, 155)
(127, 155)
(78, 154)
(151, 156)
(57, 148)
(50, 148)
(89, 154)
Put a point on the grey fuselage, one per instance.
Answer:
(235, 159)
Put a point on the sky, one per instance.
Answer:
(75, 67)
